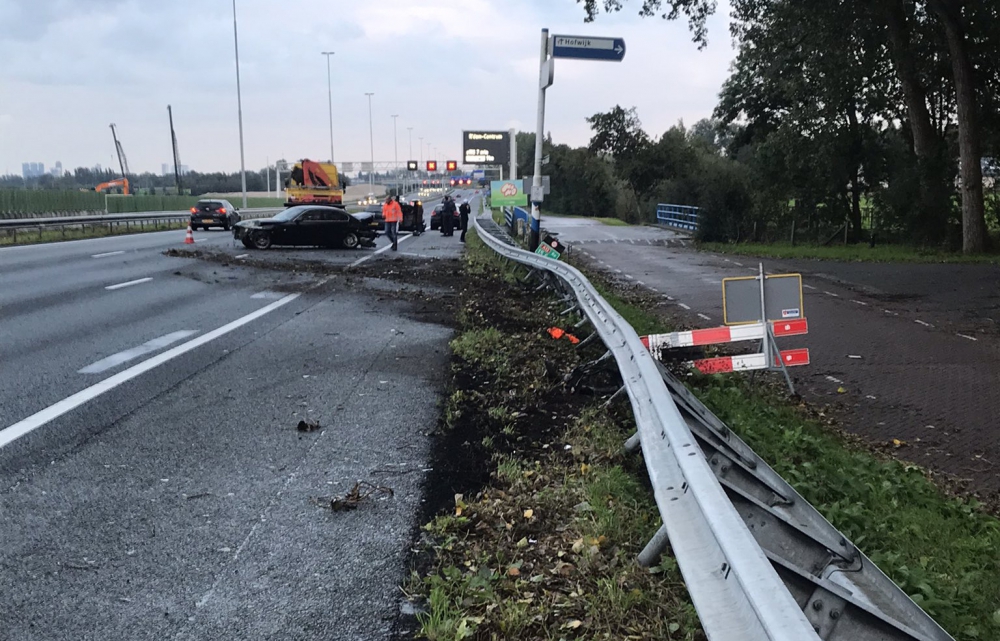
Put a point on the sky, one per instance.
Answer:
(72, 67)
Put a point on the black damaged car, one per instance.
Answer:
(309, 225)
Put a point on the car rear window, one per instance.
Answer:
(209, 206)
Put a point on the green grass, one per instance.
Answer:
(613, 222)
(33, 236)
(852, 253)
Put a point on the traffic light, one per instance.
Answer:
(452, 165)
(432, 165)
(411, 165)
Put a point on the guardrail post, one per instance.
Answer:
(633, 444)
(651, 554)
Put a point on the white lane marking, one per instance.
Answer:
(684, 306)
(753, 269)
(618, 271)
(266, 295)
(831, 294)
(738, 264)
(128, 284)
(242, 256)
(727, 260)
(200, 240)
(13, 432)
(411, 254)
(669, 297)
(631, 241)
(835, 380)
(711, 281)
(971, 338)
(808, 286)
(860, 302)
(890, 312)
(708, 318)
(629, 276)
(640, 283)
(378, 251)
(920, 322)
(130, 354)
(106, 254)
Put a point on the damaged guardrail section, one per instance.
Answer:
(759, 562)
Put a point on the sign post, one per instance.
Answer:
(572, 47)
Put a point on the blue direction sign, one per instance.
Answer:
(588, 48)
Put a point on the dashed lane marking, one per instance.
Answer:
(971, 338)
(808, 286)
(860, 302)
(106, 254)
(129, 354)
(128, 284)
(687, 307)
(831, 294)
(708, 318)
(924, 323)
(378, 251)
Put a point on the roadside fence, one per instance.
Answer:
(679, 216)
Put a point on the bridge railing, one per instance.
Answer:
(679, 216)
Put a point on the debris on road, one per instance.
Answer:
(362, 490)
(307, 426)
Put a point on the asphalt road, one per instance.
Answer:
(153, 484)
(913, 347)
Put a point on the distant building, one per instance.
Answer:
(57, 170)
(32, 170)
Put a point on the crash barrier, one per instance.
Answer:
(518, 221)
(137, 221)
(760, 563)
(680, 216)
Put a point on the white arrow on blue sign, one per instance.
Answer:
(588, 48)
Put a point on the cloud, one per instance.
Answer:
(73, 66)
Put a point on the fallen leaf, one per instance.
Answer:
(574, 624)
(512, 571)
(584, 468)
(841, 390)
(529, 513)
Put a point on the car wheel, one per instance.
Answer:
(262, 240)
(247, 243)
(227, 226)
(194, 227)
(350, 240)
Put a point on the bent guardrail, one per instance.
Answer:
(759, 562)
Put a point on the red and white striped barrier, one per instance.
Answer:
(748, 362)
(656, 343)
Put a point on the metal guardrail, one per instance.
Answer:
(759, 562)
(680, 216)
(118, 218)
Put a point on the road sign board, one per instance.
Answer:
(508, 193)
(741, 299)
(544, 249)
(486, 147)
(411, 165)
(588, 48)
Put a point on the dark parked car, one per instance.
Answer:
(214, 213)
(436, 217)
(309, 225)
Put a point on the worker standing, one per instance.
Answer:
(392, 214)
(463, 212)
(448, 217)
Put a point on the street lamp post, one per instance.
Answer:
(329, 95)
(409, 136)
(395, 152)
(239, 106)
(371, 141)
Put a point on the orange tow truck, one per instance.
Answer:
(313, 183)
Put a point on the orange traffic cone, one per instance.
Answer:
(189, 238)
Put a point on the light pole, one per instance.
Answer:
(395, 152)
(329, 95)
(421, 168)
(409, 136)
(371, 141)
(239, 106)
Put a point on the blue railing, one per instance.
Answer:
(680, 216)
(518, 220)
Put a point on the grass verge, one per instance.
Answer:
(944, 551)
(34, 237)
(853, 253)
(545, 548)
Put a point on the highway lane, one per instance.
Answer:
(180, 502)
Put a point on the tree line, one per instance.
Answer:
(874, 117)
(192, 183)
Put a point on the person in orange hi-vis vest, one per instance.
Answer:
(393, 215)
